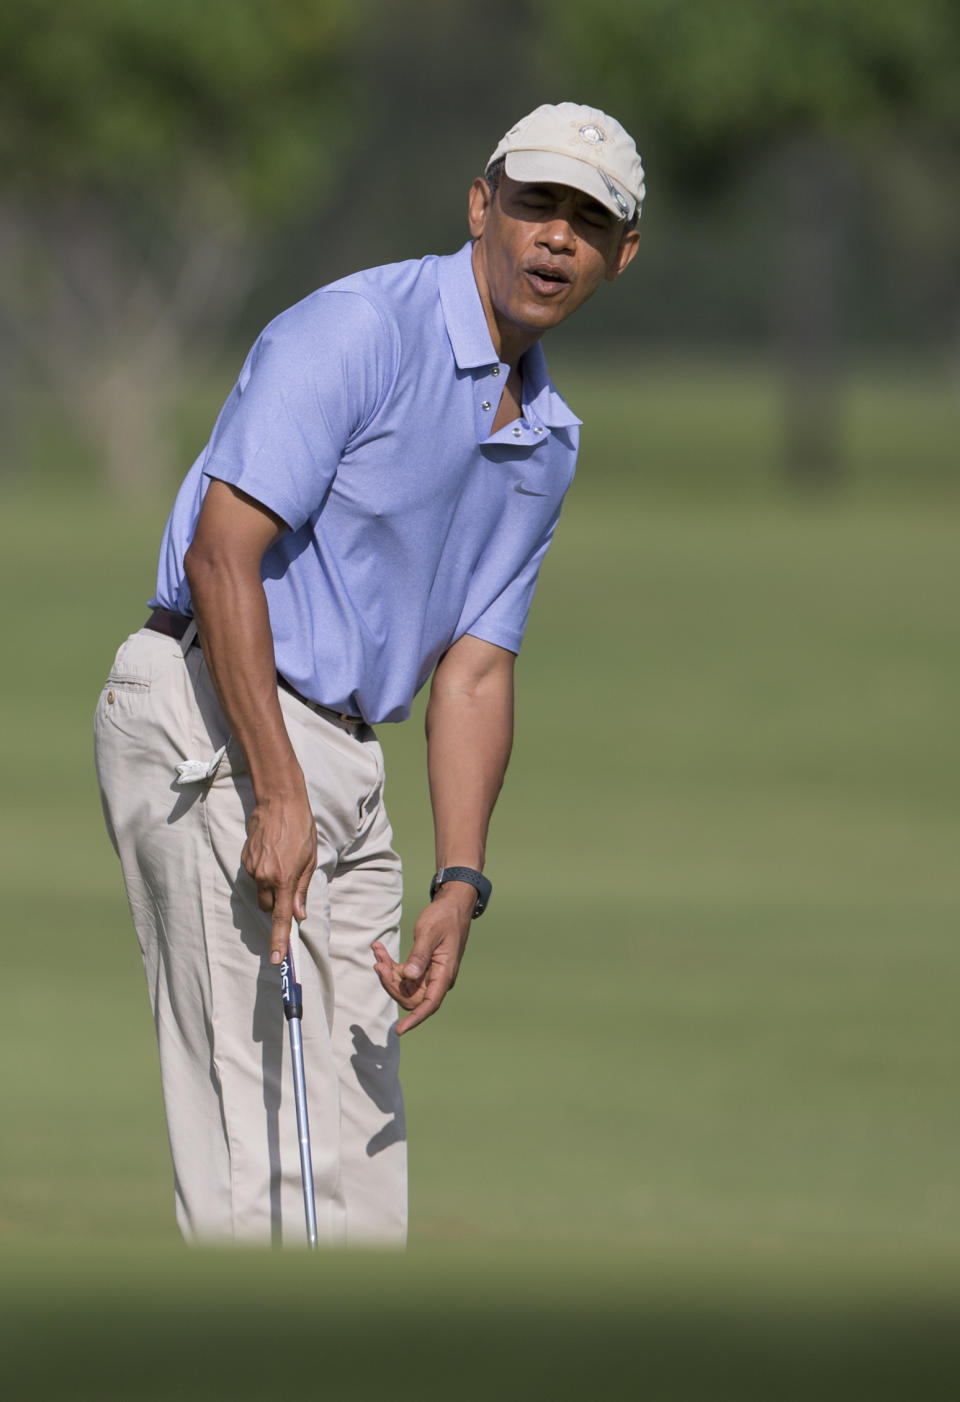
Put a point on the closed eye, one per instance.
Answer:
(596, 216)
(542, 202)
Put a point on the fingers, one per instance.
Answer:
(280, 926)
(265, 895)
(426, 1008)
(300, 894)
(280, 854)
(286, 902)
(407, 992)
(420, 998)
(418, 960)
(287, 906)
(421, 983)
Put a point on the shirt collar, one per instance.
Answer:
(473, 348)
(463, 311)
(539, 396)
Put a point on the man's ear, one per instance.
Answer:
(624, 256)
(478, 206)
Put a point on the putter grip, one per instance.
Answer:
(291, 990)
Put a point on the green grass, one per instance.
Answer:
(689, 1117)
(712, 430)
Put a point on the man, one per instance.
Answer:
(371, 510)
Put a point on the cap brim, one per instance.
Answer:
(552, 168)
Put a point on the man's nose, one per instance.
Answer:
(557, 234)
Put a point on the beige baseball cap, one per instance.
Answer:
(568, 144)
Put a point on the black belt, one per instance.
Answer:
(175, 625)
(172, 625)
(315, 705)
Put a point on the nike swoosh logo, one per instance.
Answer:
(525, 491)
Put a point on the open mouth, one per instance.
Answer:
(547, 279)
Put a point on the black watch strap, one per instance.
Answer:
(473, 878)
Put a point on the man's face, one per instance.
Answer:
(539, 252)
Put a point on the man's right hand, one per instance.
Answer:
(280, 853)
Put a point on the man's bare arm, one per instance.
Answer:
(222, 567)
(469, 736)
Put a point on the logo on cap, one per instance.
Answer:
(592, 134)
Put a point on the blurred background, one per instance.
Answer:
(691, 1109)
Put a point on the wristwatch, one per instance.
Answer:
(473, 878)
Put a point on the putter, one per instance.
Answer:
(293, 1012)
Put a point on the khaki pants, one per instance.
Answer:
(224, 1053)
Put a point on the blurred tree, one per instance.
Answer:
(828, 93)
(145, 149)
(442, 83)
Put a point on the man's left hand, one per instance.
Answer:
(439, 939)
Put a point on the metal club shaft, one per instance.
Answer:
(293, 1012)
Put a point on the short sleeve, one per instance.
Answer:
(316, 376)
(504, 621)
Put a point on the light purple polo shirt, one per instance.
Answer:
(362, 417)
